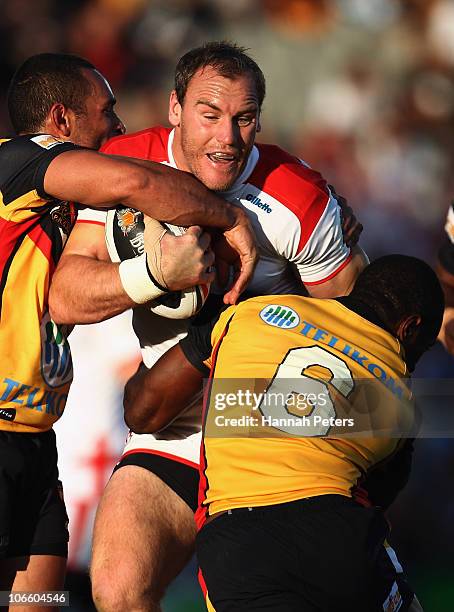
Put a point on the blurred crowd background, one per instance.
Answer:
(361, 90)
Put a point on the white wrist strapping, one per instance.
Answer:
(137, 280)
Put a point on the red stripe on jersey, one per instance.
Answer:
(150, 451)
(43, 243)
(201, 513)
(147, 144)
(10, 233)
(202, 583)
(333, 274)
(361, 496)
(301, 189)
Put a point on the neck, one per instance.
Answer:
(365, 310)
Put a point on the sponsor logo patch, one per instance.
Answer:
(127, 219)
(259, 203)
(56, 362)
(279, 316)
(46, 142)
(7, 414)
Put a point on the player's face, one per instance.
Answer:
(99, 122)
(215, 127)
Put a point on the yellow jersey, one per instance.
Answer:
(304, 396)
(35, 361)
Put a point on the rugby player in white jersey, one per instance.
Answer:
(144, 530)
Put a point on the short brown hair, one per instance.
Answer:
(227, 58)
(43, 80)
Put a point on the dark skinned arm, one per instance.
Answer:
(154, 397)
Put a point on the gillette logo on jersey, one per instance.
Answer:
(258, 202)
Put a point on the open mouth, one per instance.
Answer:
(222, 158)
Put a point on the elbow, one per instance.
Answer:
(139, 418)
(135, 423)
(140, 424)
(57, 310)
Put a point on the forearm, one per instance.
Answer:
(86, 290)
(140, 402)
(161, 192)
(180, 199)
(154, 397)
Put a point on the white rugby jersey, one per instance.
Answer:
(295, 217)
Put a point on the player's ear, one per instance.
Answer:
(408, 329)
(259, 125)
(60, 120)
(174, 109)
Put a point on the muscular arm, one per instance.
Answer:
(343, 282)
(153, 398)
(86, 286)
(161, 192)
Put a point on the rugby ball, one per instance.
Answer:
(124, 239)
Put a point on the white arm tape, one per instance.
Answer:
(137, 281)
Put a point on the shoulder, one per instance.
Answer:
(146, 144)
(307, 209)
(284, 177)
(24, 161)
(20, 148)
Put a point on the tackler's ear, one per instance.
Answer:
(59, 120)
(408, 328)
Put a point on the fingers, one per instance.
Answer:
(242, 240)
(242, 278)
(354, 234)
(203, 238)
(351, 228)
(187, 260)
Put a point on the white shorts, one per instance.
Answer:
(179, 441)
(185, 450)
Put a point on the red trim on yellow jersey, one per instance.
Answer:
(202, 513)
(42, 241)
(12, 235)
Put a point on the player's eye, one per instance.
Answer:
(244, 121)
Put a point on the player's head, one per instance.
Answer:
(404, 292)
(63, 95)
(215, 109)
